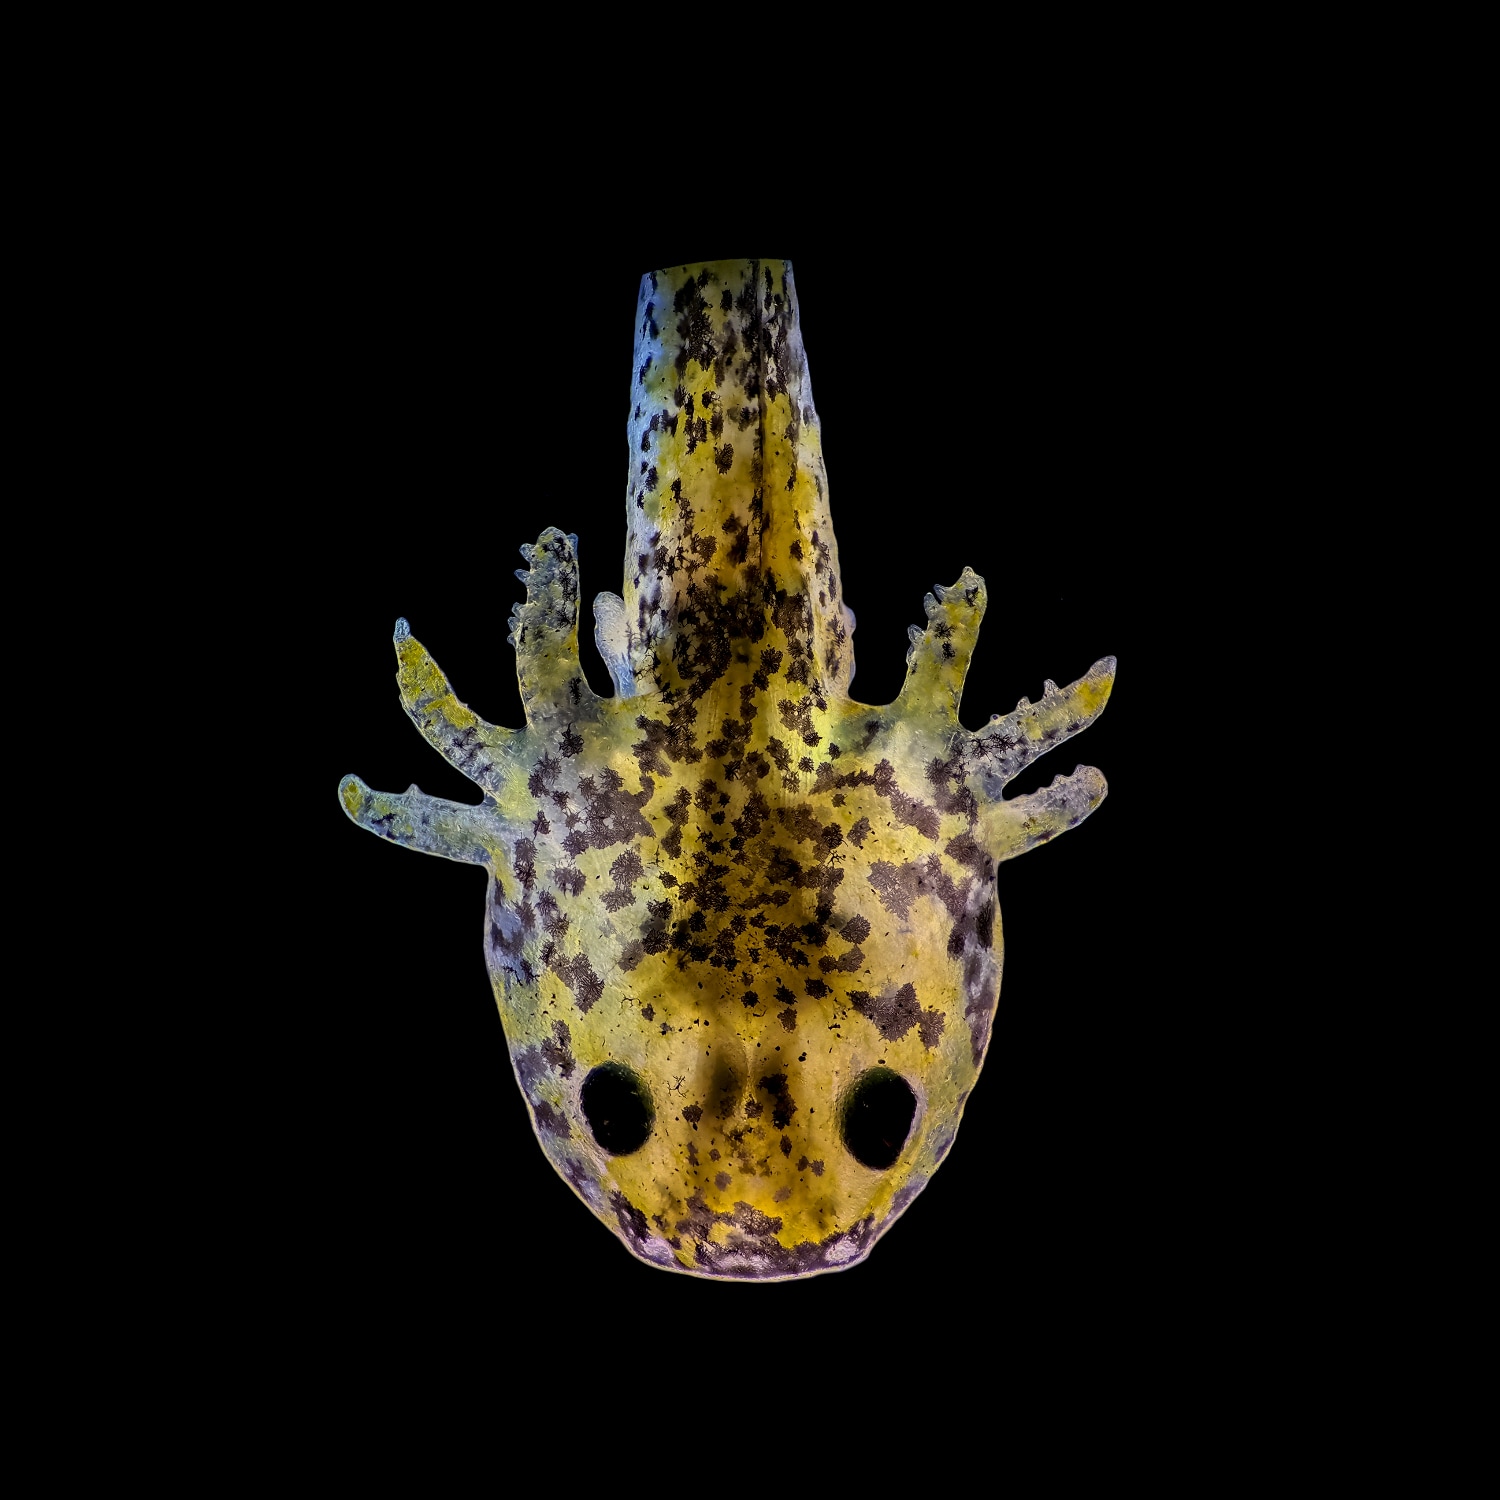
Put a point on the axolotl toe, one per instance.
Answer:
(731, 854)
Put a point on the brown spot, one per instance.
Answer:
(550, 1120)
(895, 1014)
(754, 1222)
(557, 1049)
(579, 976)
(966, 851)
(895, 885)
(785, 1106)
(632, 1219)
(930, 1028)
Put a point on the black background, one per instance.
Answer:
(1034, 400)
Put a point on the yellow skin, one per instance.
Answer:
(730, 878)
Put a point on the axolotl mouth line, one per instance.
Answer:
(731, 855)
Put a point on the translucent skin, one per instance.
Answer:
(730, 877)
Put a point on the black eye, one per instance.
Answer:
(877, 1117)
(617, 1105)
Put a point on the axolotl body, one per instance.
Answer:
(742, 929)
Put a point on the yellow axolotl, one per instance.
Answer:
(741, 928)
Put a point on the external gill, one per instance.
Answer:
(430, 825)
(434, 825)
(453, 729)
(937, 663)
(937, 660)
(612, 638)
(544, 631)
(1016, 824)
(1006, 746)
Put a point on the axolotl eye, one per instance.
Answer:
(617, 1104)
(876, 1118)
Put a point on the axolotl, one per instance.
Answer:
(741, 928)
